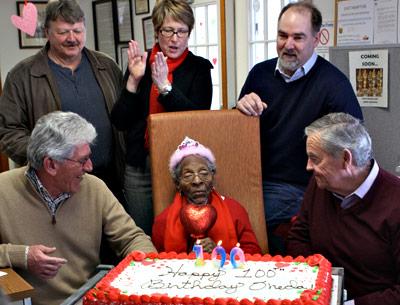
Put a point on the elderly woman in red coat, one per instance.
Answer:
(198, 212)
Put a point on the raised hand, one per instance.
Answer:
(136, 65)
(43, 265)
(159, 71)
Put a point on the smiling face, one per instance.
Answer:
(195, 180)
(69, 172)
(173, 46)
(296, 40)
(66, 40)
(330, 172)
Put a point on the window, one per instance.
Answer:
(204, 42)
(263, 28)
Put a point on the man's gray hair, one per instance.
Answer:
(68, 10)
(56, 136)
(339, 131)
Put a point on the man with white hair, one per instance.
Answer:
(350, 213)
(53, 214)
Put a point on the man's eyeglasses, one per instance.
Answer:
(168, 33)
(82, 162)
(204, 175)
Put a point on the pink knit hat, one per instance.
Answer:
(189, 147)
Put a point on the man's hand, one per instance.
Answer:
(251, 104)
(43, 265)
(208, 244)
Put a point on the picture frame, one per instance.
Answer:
(123, 57)
(142, 7)
(105, 27)
(39, 39)
(124, 20)
(148, 33)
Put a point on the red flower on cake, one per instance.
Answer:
(134, 298)
(259, 302)
(314, 260)
(246, 302)
(197, 301)
(176, 300)
(100, 295)
(165, 299)
(113, 296)
(123, 298)
(273, 302)
(138, 256)
(286, 302)
(145, 298)
(154, 299)
(152, 255)
(232, 301)
(208, 301)
(300, 259)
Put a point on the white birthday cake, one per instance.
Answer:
(170, 278)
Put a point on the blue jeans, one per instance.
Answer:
(281, 202)
(138, 193)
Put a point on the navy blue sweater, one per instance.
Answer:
(291, 107)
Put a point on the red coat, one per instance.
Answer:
(246, 237)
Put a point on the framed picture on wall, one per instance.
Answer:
(148, 33)
(141, 7)
(123, 57)
(104, 27)
(39, 39)
(124, 20)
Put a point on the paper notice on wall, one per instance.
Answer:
(326, 38)
(369, 77)
(385, 21)
(355, 22)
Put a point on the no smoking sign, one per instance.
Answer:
(324, 37)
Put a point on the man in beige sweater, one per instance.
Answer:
(53, 214)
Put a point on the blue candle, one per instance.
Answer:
(218, 250)
(198, 250)
(236, 251)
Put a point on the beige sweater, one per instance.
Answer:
(80, 221)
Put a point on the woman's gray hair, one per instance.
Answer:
(56, 136)
(68, 10)
(340, 131)
(177, 170)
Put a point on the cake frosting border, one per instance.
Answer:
(104, 294)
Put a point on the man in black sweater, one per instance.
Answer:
(288, 93)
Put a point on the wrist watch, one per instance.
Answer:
(166, 89)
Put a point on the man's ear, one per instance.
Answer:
(347, 158)
(50, 166)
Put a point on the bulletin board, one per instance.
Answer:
(366, 22)
(383, 124)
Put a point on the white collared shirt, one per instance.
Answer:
(363, 189)
(300, 72)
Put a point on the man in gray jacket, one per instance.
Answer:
(66, 76)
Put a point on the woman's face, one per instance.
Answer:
(173, 46)
(196, 180)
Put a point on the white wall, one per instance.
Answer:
(10, 53)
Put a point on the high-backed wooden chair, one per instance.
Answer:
(232, 137)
